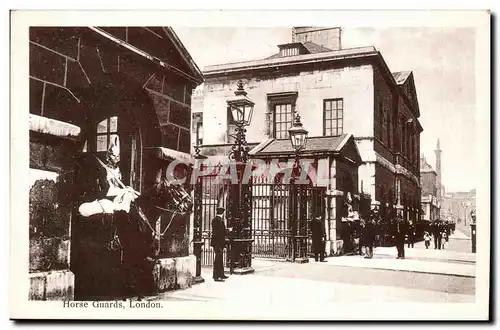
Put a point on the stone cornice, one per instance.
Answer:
(398, 169)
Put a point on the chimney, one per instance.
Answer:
(329, 37)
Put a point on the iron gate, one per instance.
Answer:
(213, 194)
(272, 216)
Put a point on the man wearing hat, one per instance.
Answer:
(218, 242)
(318, 238)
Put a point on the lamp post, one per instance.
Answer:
(240, 207)
(198, 220)
(473, 230)
(298, 138)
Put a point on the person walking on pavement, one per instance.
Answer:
(318, 238)
(369, 238)
(436, 232)
(218, 241)
(412, 233)
(427, 240)
(399, 236)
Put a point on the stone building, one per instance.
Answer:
(459, 206)
(336, 91)
(89, 85)
(431, 205)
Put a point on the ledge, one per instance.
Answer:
(53, 127)
(170, 155)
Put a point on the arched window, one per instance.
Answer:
(126, 135)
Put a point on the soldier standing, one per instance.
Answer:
(218, 242)
(318, 238)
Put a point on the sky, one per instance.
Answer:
(442, 61)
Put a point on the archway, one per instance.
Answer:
(116, 108)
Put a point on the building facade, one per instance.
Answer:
(335, 91)
(458, 207)
(431, 205)
(90, 86)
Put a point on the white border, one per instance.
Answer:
(21, 307)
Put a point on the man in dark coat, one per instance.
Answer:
(318, 238)
(218, 243)
(436, 232)
(399, 236)
(369, 238)
(412, 234)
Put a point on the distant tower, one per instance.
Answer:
(438, 171)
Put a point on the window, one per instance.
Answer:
(383, 121)
(333, 117)
(107, 131)
(403, 136)
(289, 52)
(197, 127)
(283, 120)
(282, 111)
(389, 131)
(199, 133)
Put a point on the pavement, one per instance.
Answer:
(284, 290)
(425, 275)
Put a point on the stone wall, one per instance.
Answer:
(354, 84)
(71, 70)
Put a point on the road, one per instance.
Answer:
(424, 276)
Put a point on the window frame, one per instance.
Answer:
(108, 133)
(333, 119)
(276, 99)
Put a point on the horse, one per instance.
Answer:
(132, 235)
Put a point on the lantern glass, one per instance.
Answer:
(298, 135)
(241, 109)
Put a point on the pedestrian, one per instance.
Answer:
(218, 242)
(318, 234)
(443, 239)
(427, 239)
(436, 226)
(412, 234)
(360, 234)
(369, 238)
(399, 236)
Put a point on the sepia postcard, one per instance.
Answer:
(250, 165)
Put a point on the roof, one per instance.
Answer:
(401, 76)
(311, 47)
(424, 166)
(320, 144)
(184, 54)
(194, 73)
(227, 68)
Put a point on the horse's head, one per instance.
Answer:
(169, 196)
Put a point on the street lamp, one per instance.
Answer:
(298, 138)
(240, 208)
(473, 230)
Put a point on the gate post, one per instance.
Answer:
(301, 238)
(197, 223)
